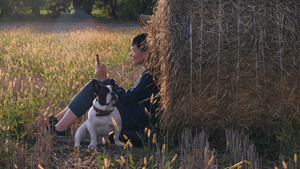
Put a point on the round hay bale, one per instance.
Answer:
(226, 63)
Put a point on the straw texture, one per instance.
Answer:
(226, 63)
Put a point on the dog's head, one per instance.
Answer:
(106, 96)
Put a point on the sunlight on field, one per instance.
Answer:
(41, 72)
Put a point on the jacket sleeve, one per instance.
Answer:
(141, 91)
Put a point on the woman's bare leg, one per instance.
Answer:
(67, 119)
(81, 102)
(60, 115)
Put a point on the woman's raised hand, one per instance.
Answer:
(101, 72)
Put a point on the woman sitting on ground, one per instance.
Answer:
(132, 102)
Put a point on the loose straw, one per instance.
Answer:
(191, 60)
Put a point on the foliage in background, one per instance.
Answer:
(85, 5)
(19, 8)
(111, 9)
(131, 9)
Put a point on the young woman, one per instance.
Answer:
(132, 102)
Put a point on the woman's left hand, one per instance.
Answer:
(101, 72)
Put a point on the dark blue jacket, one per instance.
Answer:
(133, 101)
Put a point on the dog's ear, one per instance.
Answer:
(96, 85)
(100, 91)
(112, 82)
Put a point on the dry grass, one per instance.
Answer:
(41, 72)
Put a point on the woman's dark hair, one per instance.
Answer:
(140, 41)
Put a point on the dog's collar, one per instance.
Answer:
(102, 112)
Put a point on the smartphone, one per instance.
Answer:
(97, 59)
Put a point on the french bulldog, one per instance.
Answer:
(103, 117)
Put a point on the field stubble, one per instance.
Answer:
(41, 71)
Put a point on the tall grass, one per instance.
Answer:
(41, 71)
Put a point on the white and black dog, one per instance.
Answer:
(103, 116)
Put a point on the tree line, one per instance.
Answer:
(114, 9)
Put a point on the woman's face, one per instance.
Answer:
(137, 56)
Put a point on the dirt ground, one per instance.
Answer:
(58, 26)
